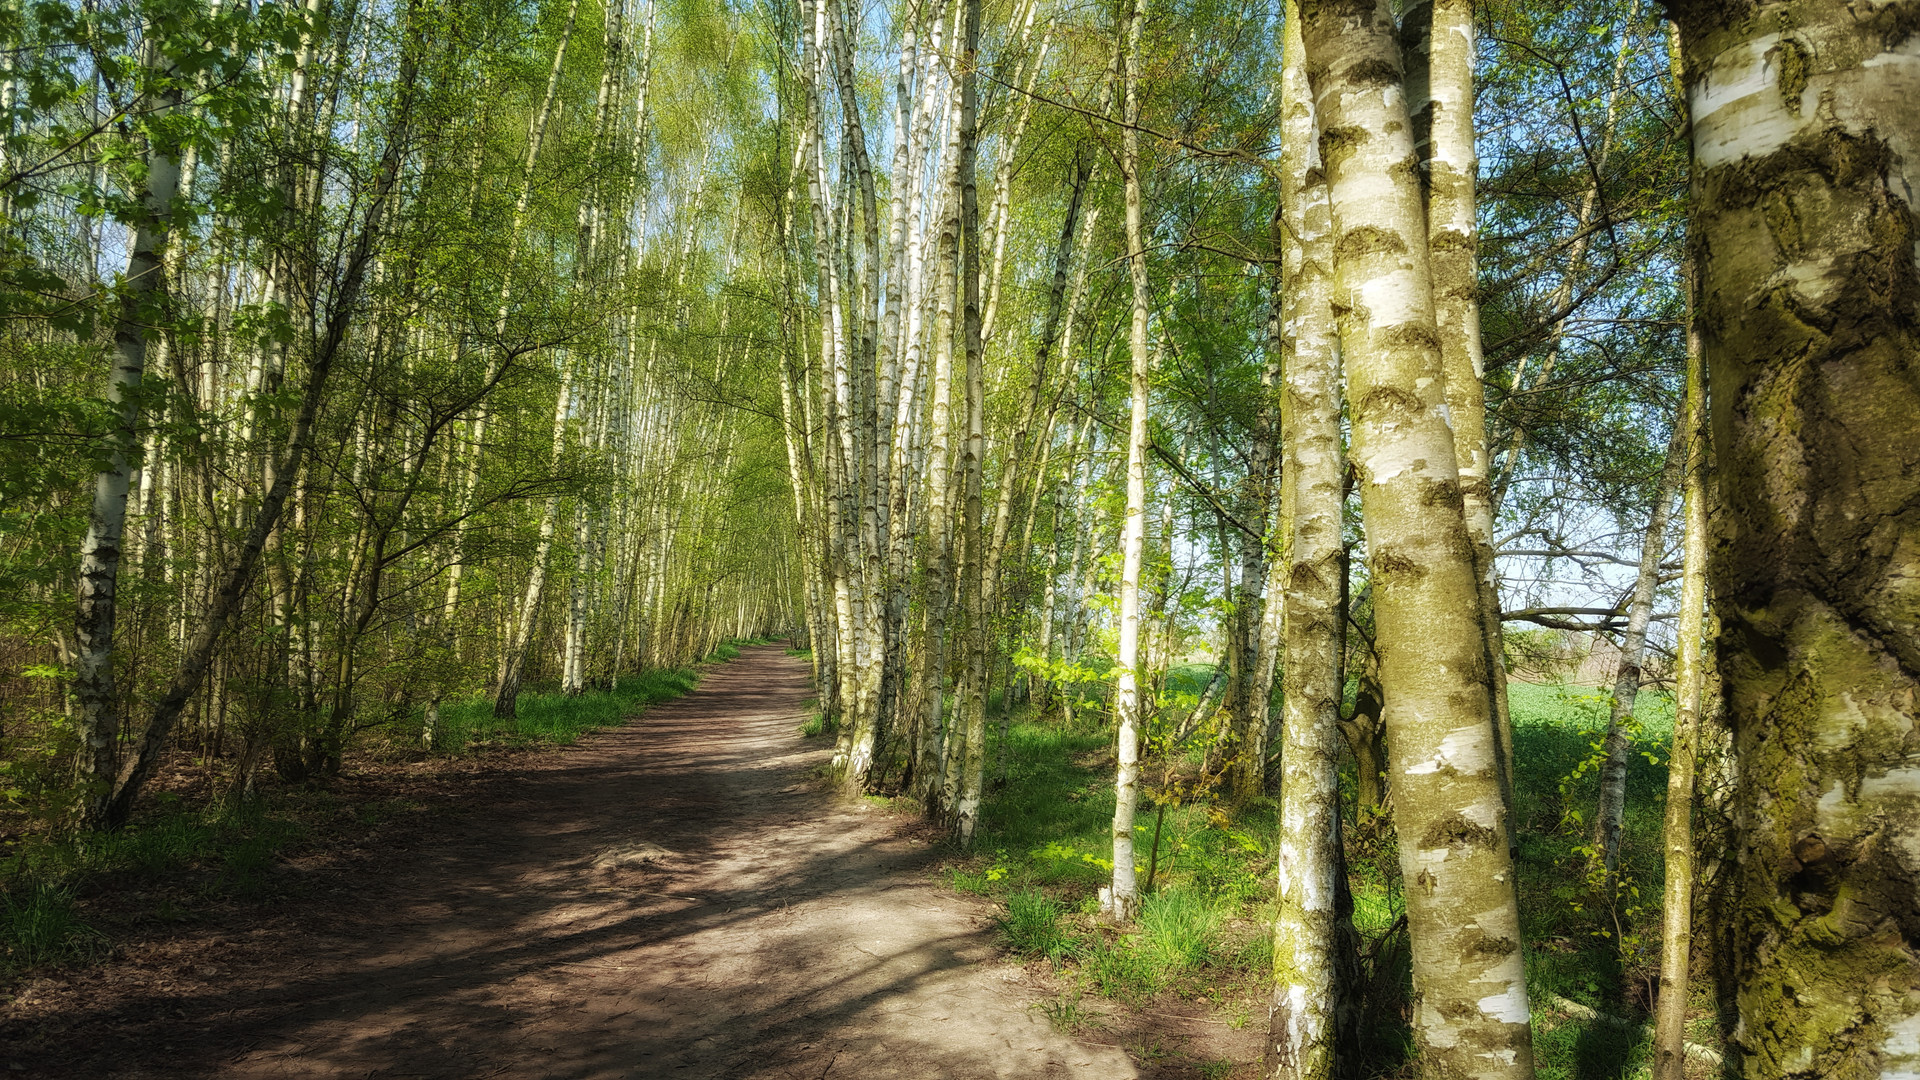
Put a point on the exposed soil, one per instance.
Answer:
(674, 898)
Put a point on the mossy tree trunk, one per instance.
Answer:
(1471, 1013)
(1806, 160)
(1676, 921)
(1300, 1022)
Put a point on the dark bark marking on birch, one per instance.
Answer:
(1791, 58)
(1372, 73)
(1367, 241)
(1381, 398)
(1456, 831)
(1442, 493)
(1388, 564)
(1412, 336)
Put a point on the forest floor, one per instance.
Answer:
(675, 897)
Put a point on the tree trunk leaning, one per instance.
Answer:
(1471, 1017)
(1617, 745)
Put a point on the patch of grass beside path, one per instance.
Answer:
(1203, 933)
(557, 719)
(1043, 853)
(185, 853)
(730, 649)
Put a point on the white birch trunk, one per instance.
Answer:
(1301, 1028)
(1471, 1018)
(1122, 900)
(97, 718)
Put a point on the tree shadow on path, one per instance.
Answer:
(674, 898)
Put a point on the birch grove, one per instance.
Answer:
(1417, 499)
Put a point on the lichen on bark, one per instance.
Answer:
(1807, 155)
(1471, 1013)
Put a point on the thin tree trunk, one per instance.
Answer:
(1676, 919)
(1122, 900)
(97, 719)
(1257, 598)
(966, 813)
(1617, 745)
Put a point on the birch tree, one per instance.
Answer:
(98, 721)
(1122, 898)
(1301, 1043)
(1804, 149)
(1472, 1016)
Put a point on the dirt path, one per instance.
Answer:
(674, 898)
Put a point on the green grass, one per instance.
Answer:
(215, 853)
(1065, 1012)
(1119, 968)
(1043, 847)
(1188, 679)
(1031, 926)
(1180, 929)
(1568, 925)
(233, 847)
(816, 724)
(730, 649)
(557, 718)
(38, 926)
(1045, 853)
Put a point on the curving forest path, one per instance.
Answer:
(673, 898)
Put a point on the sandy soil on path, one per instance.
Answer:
(674, 898)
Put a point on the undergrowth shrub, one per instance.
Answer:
(39, 926)
(1031, 926)
(1178, 929)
